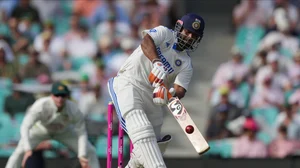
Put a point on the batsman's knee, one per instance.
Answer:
(138, 126)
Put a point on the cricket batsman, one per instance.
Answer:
(139, 91)
(54, 117)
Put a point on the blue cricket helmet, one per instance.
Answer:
(193, 23)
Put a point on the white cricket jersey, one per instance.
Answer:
(43, 115)
(137, 67)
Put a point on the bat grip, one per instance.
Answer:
(168, 93)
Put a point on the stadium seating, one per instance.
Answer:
(101, 146)
(245, 89)
(266, 116)
(247, 39)
(78, 62)
(221, 148)
(5, 90)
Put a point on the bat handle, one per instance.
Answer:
(168, 94)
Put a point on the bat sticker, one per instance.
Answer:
(176, 108)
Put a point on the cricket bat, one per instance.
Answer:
(187, 124)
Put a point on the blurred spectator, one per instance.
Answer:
(128, 45)
(28, 28)
(25, 9)
(290, 119)
(294, 70)
(100, 76)
(234, 68)
(216, 126)
(294, 99)
(9, 55)
(106, 49)
(82, 46)
(148, 14)
(234, 95)
(220, 114)
(34, 68)
(97, 107)
(6, 7)
(17, 40)
(291, 15)
(7, 69)
(249, 14)
(279, 78)
(259, 61)
(106, 9)
(86, 8)
(50, 47)
(282, 146)
(272, 43)
(247, 146)
(267, 95)
(84, 95)
(116, 30)
(135, 34)
(73, 31)
(18, 101)
(289, 43)
(47, 9)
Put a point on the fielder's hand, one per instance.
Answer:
(158, 74)
(26, 156)
(160, 95)
(84, 162)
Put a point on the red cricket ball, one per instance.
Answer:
(189, 129)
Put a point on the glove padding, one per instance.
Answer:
(158, 74)
(160, 95)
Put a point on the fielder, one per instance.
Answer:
(139, 91)
(54, 117)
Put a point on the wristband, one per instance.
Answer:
(155, 60)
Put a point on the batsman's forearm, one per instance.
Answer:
(149, 48)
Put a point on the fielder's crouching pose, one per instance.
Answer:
(139, 93)
(54, 117)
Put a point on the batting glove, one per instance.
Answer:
(160, 95)
(158, 74)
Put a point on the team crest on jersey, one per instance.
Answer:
(60, 88)
(167, 44)
(178, 62)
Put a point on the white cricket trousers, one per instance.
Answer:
(141, 119)
(37, 135)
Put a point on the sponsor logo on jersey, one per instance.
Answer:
(164, 61)
(153, 30)
(178, 62)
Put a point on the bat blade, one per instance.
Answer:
(184, 120)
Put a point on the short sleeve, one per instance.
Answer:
(184, 77)
(159, 34)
